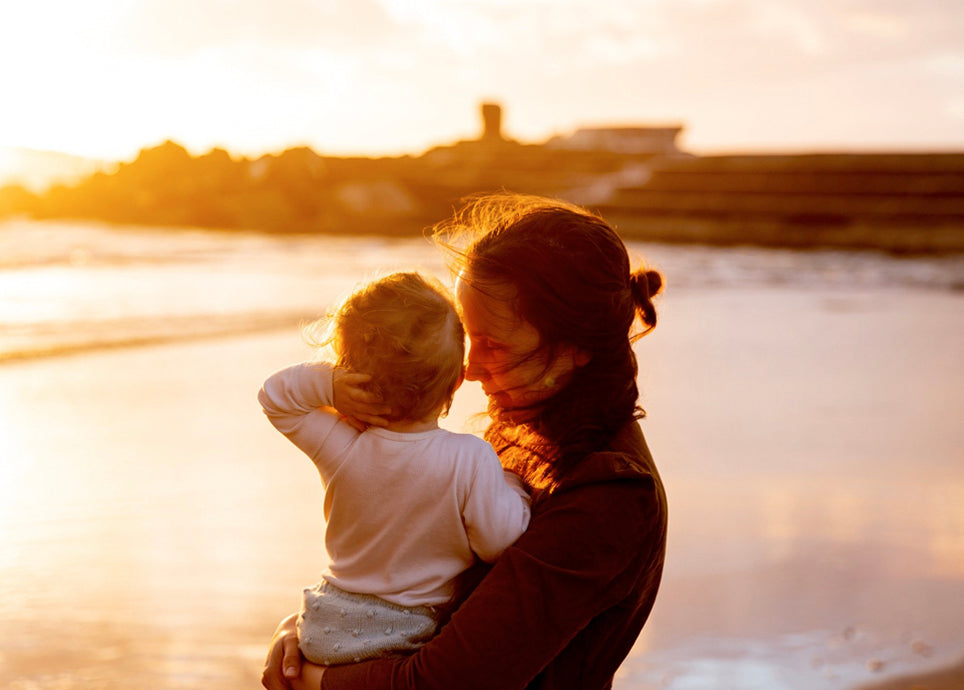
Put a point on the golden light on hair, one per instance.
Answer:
(404, 332)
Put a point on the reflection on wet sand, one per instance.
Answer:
(154, 528)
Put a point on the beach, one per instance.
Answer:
(154, 527)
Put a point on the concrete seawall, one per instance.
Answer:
(902, 203)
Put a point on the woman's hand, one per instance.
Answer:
(359, 407)
(284, 662)
(284, 669)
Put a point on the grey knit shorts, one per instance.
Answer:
(339, 627)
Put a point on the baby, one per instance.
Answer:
(408, 505)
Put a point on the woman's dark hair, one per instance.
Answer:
(573, 282)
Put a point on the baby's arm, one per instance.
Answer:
(496, 511)
(295, 401)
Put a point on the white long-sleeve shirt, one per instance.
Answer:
(405, 512)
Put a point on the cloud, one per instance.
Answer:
(947, 64)
(955, 108)
(372, 75)
(173, 28)
(876, 24)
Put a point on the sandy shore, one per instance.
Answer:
(153, 528)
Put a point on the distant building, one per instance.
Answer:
(491, 122)
(632, 140)
(493, 149)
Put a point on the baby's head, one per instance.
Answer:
(404, 332)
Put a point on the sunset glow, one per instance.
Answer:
(106, 78)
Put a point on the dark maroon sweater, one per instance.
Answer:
(562, 607)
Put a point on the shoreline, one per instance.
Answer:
(899, 239)
(214, 329)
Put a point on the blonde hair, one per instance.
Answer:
(404, 332)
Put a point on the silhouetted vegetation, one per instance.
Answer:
(301, 191)
(900, 203)
(16, 200)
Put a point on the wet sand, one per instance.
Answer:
(154, 528)
(950, 678)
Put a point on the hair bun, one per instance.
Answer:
(654, 281)
(645, 284)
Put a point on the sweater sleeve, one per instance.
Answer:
(496, 510)
(292, 400)
(564, 571)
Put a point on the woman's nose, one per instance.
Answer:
(474, 371)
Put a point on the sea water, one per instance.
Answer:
(67, 286)
(803, 408)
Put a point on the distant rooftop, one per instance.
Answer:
(631, 139)
(621, 139)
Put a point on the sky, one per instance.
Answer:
(106, 78)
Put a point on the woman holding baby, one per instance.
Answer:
(551, 307)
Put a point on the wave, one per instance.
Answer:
(38, 341)
(79, 287)
(703, 267)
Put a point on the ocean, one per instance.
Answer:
(73, 286)
(803, 406)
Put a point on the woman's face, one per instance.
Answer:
(505, 353)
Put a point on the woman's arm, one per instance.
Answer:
(576, 560)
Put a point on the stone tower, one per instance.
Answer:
(492, 122)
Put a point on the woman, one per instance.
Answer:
(549, 302)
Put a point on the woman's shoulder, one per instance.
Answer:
(625, 458)
(613, 499)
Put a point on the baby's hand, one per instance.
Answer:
(358, 407)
